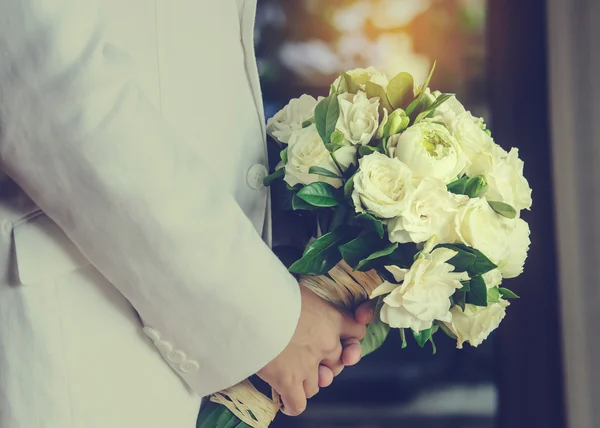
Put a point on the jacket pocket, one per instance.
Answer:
(42, 250)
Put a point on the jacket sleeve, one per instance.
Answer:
(78, 135)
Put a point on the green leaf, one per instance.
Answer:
(372, 223)
(367, 150)
(460, 298)
(458, 187)
(319, 194)
(403, 338)
(280, 173)
(423, 336)
(403, 256)
(284, 156)
(478, 294)
(308, 122)
(376, 255)
(508, 294)
(503, 209)
(349, 187)
(427, 81)
(361, 247)
(476, 186)
(301, 204)
(493, 295)
(420, 103)
(351, 85)
(463, 260)
(482, 264)
(400, 90)
(466, 285)
(339, 215)
(327, 113)
(433, 107)
(322, 254)
(216, 415)
(324, 217)
(375, 90)
(377, 332)
(323, 172)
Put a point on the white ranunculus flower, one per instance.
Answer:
(518, 246)
(475, 324)
(504, 174)
(382, 186)
(480, 227)
(291, 117)
(449, 110)
(431, 212)
(306, 149)
(424, 295)
(359, 118)
(470, 135)
(429, 150)
(493, 278)
(361, 76)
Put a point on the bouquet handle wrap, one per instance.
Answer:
(342, 287)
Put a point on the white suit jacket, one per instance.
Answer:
(144, 142)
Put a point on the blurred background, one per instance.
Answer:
(494, 55)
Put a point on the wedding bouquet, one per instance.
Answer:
(416, 206)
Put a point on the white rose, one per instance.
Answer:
(291, 117)
(346, 156)
(306, 149)
(361, 76)
(518, 246)
(359, 118)
(424, 295)
(492, 278)
(382, 186)
(431, 212)
(504, 174)
(429, 150)
(475, 324)
(480, 227)
(470, 135)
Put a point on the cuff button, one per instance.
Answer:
(189, 366)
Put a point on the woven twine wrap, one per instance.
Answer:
(342, 287)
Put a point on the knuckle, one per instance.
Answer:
(288, 382)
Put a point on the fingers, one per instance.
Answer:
(352, 329)
(352, 352)
(325, 376)
(294, 400)
(311, 385)
(333, 359)
(365, 313)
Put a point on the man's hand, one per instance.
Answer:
(315, 347)
(352, 350)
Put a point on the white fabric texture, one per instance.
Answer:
(136, 128)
